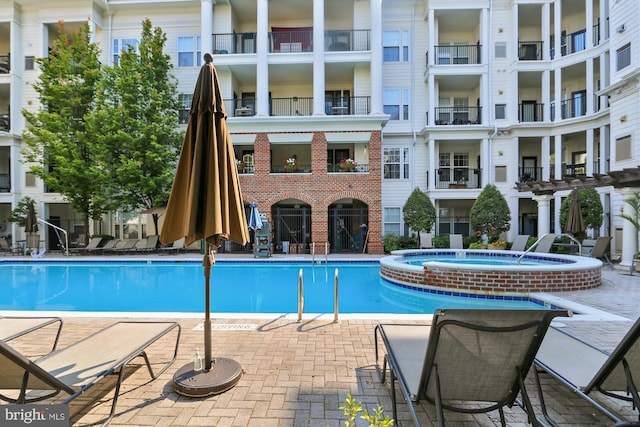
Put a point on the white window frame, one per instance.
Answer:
(623, 57)
(189, 51)
(396, 162)
(392, 218)
(396, 97)
(397, 40)
(122, 44)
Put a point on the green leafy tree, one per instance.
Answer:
(490, 213)
(419, 213)
(136, 120)
(19, 214)
(634, 218)
(57, 144)
(590, 207)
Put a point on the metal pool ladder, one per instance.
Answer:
(301, 296)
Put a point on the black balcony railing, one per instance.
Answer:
(5, 122)
(527, 174)
(291, 41)
(337, 167)
(296, 106)
(5, 65)
(573, 107)
(298, 168)
(458, 178)
(458, 115)
(530, 50)
(457, 54)
(234, 43)
(530, 112)
(573, 170)
(347, 40)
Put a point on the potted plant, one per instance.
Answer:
(348, 164)
(240, 164)
(291, 164)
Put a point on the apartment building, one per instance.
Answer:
(447, 96)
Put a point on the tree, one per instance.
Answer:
(136, 120)
(58, 144)
(590, 207)
(419, 213)
(490, 214)
(19, 214)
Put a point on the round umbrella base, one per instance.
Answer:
(224, 375)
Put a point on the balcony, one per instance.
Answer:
(291, 40)
(337, 168)
(5, 65)
(457, 54)
(5, 183)
(239, 43)
(5, 123)
(574, 170)
(527, 174)
(294, 106)
(347, 40)
(458, 178)
(530, 50)
(458, 115)
(530, 112)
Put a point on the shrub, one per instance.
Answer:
(490, 214)
(419, 213)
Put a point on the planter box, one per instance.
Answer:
(457, 185)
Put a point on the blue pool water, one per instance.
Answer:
(482, 259)
(248, 287)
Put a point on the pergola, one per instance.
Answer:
(629, 177)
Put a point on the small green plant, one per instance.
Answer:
(476, 245)
(351, 408)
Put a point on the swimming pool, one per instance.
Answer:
(236, 287)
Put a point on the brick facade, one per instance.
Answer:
(318, 189)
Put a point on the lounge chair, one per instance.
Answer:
(4, 245)
(107, 246)
(94, 242)
(150, 245)
(466, 355)
(587, 246)
(599, 250)
(545, 243)
(176, 246)
(585, 369)
(15, 327)
(426, 241)
(520, 242)
(122, 246)
(455, 241)
(78, 367)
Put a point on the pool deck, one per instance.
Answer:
(298, 374)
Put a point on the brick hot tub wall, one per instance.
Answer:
(489, 281)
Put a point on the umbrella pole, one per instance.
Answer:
(207, 263)
(219, 374)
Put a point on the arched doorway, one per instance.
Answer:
(291, 226)
(348, 225)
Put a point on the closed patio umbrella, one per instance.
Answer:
(31, 223)
(255, 222)
(206, 203)
(575, 222)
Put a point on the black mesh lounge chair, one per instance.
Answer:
(15, 327)
(520, 242)
(466, 355)
(585, 369)
(78, 367)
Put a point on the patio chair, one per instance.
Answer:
(466, 355)
(599, 250)
(520, 242)
(107, 246)
(78, 367)
(426, 241)
(15, 327)
(176, 246)
(121, 247)
(545, 243)
(455, 241)
(585, 369)
(587, 246)
(94, 242)
(150, 245)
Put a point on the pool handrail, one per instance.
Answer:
(335, 296)
(530, 248)
(65, 250)
(300, 296)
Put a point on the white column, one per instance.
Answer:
(318, 58)
(431, 42)
(590, 152)
(590, 86)
(432, 164)
(514, 207)
(206, 26)
(556, 214)
(545, 150)
(604, 81)
(557, 29)
(557, 171)
(629, 232)
(486, 174)
(484, 36)
(262, 54)
(604, 142)
(546, 30)
(543, 213)
(376, 57)
(513, 48)
(546, 95)
(514, 101)
(557, 93)
(589, 24)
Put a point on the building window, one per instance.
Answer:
(623, 56)
(396, 163)
(395, 46)
(120, 45)
(29, 63)
(500, 50)
(29, 179)
(623, 148)
(185, 107)
(392, 221)
(501, 174)
(396, 103)
(501, 111)
(189, 49)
